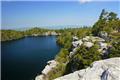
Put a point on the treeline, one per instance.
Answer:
(108, 22)
(65, 38)
(7, 35)
(35, 30)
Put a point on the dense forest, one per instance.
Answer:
(7, 35)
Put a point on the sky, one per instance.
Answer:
(53, 14)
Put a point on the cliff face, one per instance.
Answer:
(108, 69)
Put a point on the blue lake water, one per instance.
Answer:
(25, 58)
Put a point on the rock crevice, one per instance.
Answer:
(108, 69)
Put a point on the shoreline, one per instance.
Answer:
(28, 36)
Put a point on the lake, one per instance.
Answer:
(25, 58)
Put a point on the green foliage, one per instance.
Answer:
(103, 13)
(115, 50)
(115, 36)
(35, 30)
(62, 56)
(89, 55)
(65, 38)
(108, 22)
(83, 32)
(112, 16)
(83, 58)
(7, 35)
(11, 35)
(56, 72)
(59, 70)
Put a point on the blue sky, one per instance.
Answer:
(21, 14)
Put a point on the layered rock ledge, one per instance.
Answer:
(108, 69)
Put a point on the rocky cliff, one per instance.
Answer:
(108, 69)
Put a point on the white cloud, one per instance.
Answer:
(84, 1)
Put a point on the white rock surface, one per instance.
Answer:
(75, 38)
(50, 65)
(77, 43)
(103, 34)
(73, 52)
(103, 45)
(88, 44)
(39, 77)
(108, 69)
(93, 39)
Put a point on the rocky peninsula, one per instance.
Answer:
(101, 70)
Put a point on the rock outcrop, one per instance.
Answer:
(89, 41)
(50, 65)
(108, 69)
(100, 70)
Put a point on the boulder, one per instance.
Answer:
(77, 43)
(103, 45)
(75, 38)
(108, 69)
(103, 35)
(73, 52)
(86, 38)
(93, 39)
